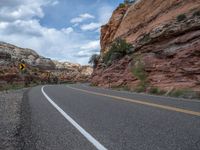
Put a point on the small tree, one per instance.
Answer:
(140, 73)
(181, 17)
(196, 13)
(122, 5)
(119, 48)
(94, 60)
(129, 1)
(126, 1)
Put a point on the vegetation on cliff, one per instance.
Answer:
(165, 35)
(94, 59)
(118, 49)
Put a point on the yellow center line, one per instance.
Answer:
(195, 113)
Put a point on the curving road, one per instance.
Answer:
(79, 117)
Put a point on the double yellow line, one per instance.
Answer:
(194, 113)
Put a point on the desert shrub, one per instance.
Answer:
(93, 84)
(119, 48)
(94, 60)
(181, 17)
(184, 93)
(35, 70)
(146, 38)
(55, 80)
(140, 88)
(176, 93)
(129, 1)
(140, 73)
(156, 90)
(196, 13)
(125, 88)
(121, 5)
(67, 82)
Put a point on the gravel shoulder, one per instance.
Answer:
(12, 120)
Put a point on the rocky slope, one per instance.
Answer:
(38, 68)
(166, 38)
(17, 54)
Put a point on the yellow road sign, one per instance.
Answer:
(22, 66)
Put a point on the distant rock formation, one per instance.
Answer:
(38, 68)
(166, 35)
(27, 55)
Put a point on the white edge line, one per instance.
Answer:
(89, 137)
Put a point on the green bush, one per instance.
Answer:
(129, 1)
(122, 5)
(140, 73)
(181, 17)
(146, 38)
(196, 13)
(94, 60)
(156, 90)
(93, 84)
(140, 88)
(118, 49)
(184, 93)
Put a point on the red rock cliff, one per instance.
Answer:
(169, 47)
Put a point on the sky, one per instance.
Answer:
(64, 30)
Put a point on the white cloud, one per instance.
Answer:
(104, 14)
(55, 3)
(68, 30)
(81, 18)
(91, 26)
(21, 12)
(3, 25)
(92, 45)
(23, 9)
(19, 26)
(49, 42)
(88, 49)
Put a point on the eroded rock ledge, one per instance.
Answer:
(168, 45)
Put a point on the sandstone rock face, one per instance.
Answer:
(66, 65)
(109, 30)
(118, 74)
(66, 71)
(38, 68)
(169, 46)
(27, 55)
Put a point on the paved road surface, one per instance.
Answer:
(79, 117)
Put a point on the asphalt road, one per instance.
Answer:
(79, 117)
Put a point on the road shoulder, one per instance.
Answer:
(10, 123)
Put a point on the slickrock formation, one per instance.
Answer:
(66, 71)
(27, 55)
(166, 35)
(38, 68)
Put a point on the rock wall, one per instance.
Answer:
(166, 35)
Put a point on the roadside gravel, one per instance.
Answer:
(10, 119)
